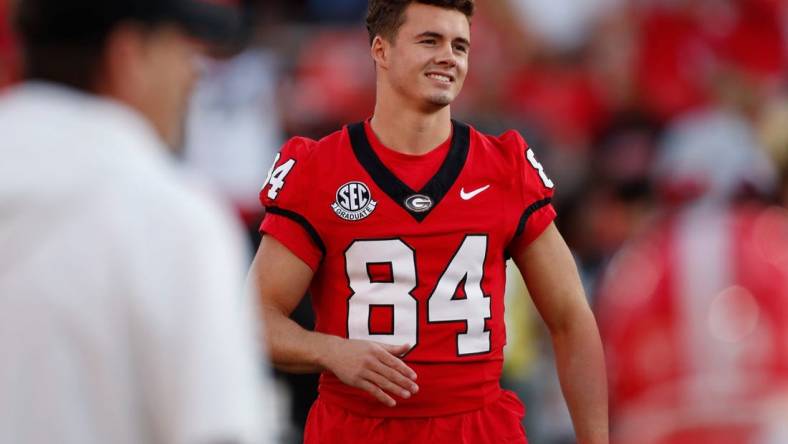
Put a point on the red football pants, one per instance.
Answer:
(496, 423)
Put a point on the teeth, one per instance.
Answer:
(439, 78)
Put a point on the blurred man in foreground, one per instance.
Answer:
(122, 312)
(694, 312)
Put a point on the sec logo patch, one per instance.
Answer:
(354, 201)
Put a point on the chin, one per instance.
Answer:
(440, 100)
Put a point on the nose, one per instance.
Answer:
(446, 56)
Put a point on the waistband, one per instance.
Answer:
(444, 389)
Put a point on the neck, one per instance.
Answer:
(404, 129)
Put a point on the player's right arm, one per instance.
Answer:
(282, 279)
(282, 270)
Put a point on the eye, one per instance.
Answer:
(429, 41)
(461, 48)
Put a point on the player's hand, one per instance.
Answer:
(373, 367)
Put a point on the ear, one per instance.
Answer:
(122, 70)
(380, 51)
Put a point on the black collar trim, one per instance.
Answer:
(435, 189)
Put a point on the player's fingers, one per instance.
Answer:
(379, 394)
(397, 364)
(387, 385)
(395, 376)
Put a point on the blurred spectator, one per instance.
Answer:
(560, 99)
(773, 134)
(332, 83)
(337, 11)
(694, 311)
(123, 315)
(562, 25)
(234, 128)
(617, 197)
(684, 45)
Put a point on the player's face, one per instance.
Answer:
(429, 57)
(171, 77)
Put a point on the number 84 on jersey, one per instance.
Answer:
(394, 291)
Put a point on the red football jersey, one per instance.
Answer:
(400, 266)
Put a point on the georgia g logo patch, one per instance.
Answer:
(354, 201)
(418, 203)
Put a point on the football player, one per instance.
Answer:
(400, 226)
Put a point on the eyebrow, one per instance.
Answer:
(438, 35)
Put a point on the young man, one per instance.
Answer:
(122, 310)
(400, 227)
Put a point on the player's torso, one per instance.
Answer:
(421, 268)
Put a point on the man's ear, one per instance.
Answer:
(121, 68)
(380, 51)
(125, 74)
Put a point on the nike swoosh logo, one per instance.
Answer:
(472, 194)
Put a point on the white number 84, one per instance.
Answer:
(467, 264)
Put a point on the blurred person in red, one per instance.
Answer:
(400, 226)
(694, 310)
(329, 84)
(684, 45)
(123, 314)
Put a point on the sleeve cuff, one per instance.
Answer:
(294, 237)
(535, 225)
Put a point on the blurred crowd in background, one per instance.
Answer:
(664, 124)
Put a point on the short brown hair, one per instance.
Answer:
(385, 17)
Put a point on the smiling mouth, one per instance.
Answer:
(443, 78)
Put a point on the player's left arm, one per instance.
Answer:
(554, 284)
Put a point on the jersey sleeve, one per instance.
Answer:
(285, 195)
(536, 195)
